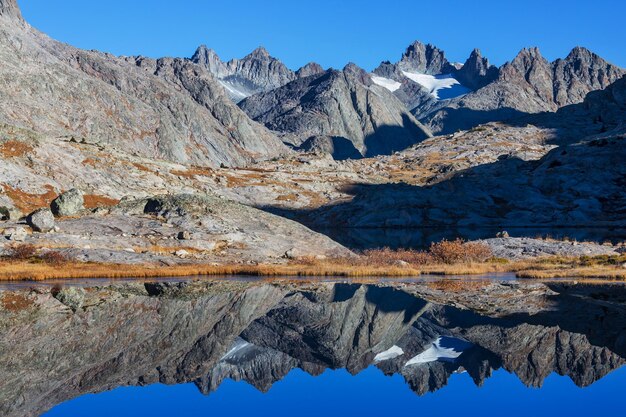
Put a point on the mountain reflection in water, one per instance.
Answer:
(59, 345)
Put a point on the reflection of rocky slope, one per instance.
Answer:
(342, 107)
(59, 345)
(168, 108)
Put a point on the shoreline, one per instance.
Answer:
(541, 268)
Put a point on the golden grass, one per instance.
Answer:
(14, 148)
(373, 263)
(26, 202)
(94, 201)
(19, 271)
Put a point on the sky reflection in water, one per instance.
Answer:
(370, 393)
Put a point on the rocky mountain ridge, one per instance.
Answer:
(344, 109)
(255, 73)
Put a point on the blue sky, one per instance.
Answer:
(334, 32)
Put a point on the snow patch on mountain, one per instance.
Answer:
(389, 84)
(390, 353)
(446, 349)
(235, 93)
(439, 86)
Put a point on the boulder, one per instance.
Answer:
(16, 234)
(72, 297)
(68, 203)
(41, 220)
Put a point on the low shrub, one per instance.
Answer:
(54, 258)
(22, 252)
(458, 251)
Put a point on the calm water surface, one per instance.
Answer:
(336, 348)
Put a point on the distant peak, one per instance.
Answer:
(476, 53)
(205, 56)
(580, 51)
(259, 53)
(11, 9)
(312, 68)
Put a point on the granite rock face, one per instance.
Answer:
(345, 105)
(256, 72)
(477, 71)
(578, 183)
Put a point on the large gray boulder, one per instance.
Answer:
(68, 204)
(41, 220)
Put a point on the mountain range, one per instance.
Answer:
(395, 146)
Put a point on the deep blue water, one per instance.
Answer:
(369, 393)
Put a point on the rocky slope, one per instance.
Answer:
(578, 183)
(343, 109)
(137, 334)
(170, 109)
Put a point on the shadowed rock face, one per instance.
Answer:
(57, 345)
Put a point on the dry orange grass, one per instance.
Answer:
(94, 201)
(29, 202)
(14, 148)
(193, 172)
(16, 271)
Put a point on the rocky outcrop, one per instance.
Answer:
(424, 59)
(477, 71)
(576, 184)
(256, 72)
(10, 9)
(341, 104)
(525, 248)
(212, 230)
(312, 68)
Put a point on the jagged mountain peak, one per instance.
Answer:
(312, 68)
(10, 9)
(476, 72)
(259, 53)
(424, 58)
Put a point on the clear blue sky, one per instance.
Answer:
(335, 32)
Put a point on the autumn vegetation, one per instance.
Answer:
(27, 262)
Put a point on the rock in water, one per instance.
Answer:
(68, 203)
(41, 220)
